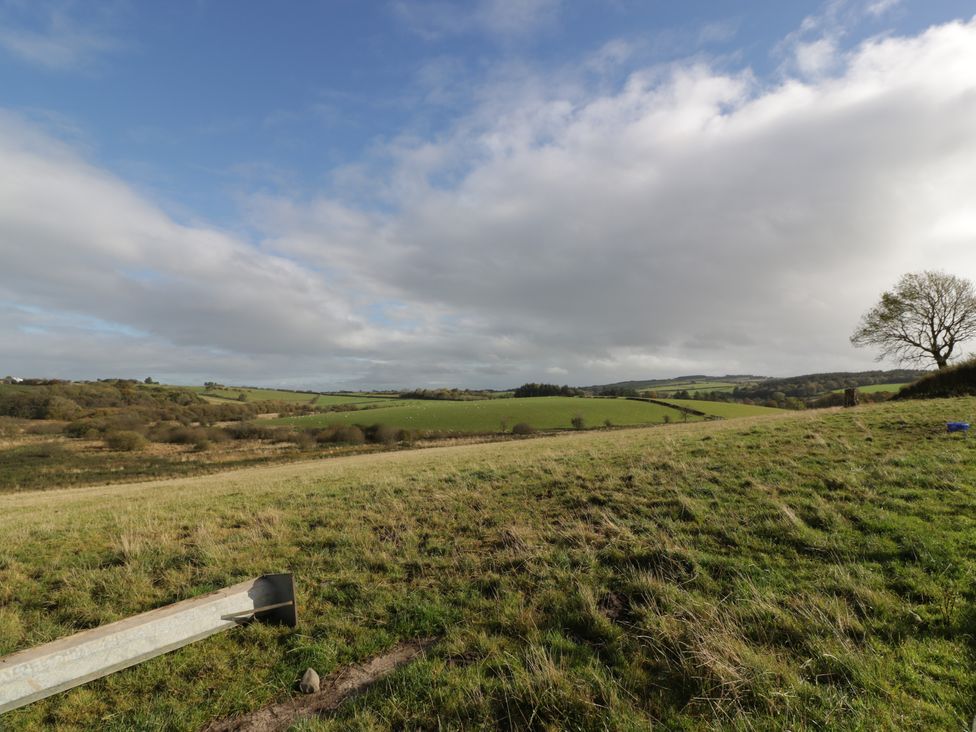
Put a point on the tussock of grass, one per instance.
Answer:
(807, 571)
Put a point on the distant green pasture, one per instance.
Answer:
(875, 388)
(267, 395)
(726, 410)
(493, 415)
(693, 386)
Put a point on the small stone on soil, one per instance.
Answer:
(310, 682)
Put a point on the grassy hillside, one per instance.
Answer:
(494, 415)
(805, 571)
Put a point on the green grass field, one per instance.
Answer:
(803, 571)
(263, 395)
(875, 388)
(693, 386)
(726, 410)
(489, 415)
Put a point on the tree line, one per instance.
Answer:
(545, 390)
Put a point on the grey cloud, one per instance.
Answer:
(686, 221)
(76, 239)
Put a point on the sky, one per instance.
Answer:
(355, 194)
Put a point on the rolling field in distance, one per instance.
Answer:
(261, 395)
(725, 410)
(489, 415)
(693, 386)
(876, 388)
(802, 571)
(75, 446)
(689, 382)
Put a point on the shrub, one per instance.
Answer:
(125, 422)
(326, 435)
(45, 428)
(87, 429)
(251, 431)
(217, 434)
(181, 435)
(25, 405)
(523, 428)
(125, 441)
(62, 408)
(578, 422)
(406, 436)
(351, 434)
(381, 433)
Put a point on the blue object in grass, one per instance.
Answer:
(957, 426)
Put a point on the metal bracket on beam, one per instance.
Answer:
(39, 672)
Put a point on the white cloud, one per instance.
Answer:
(813, 49)
(690, 217)
(880, 7)
(816, 57)
(75, 239)
(689, 220)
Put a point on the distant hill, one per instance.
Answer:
(794, 392)
(693, 382)
(812, 385)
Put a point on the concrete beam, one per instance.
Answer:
(39, 672)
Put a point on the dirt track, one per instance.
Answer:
(338, 687)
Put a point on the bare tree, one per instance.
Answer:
(926, 315)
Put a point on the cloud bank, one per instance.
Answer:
(691, 219)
